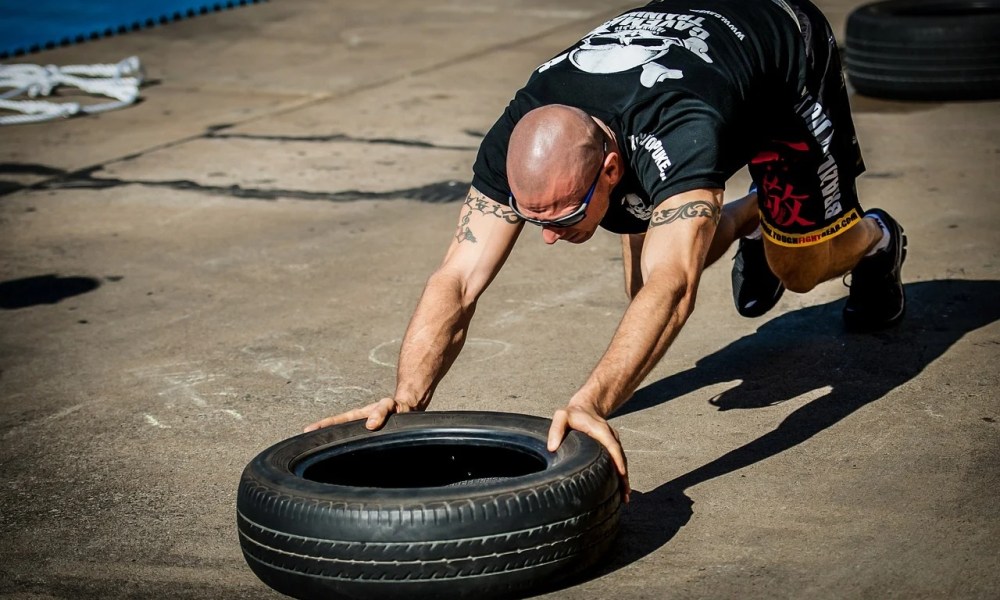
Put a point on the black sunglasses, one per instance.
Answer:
(572, 218)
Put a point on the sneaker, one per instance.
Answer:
(755, 288)
(877, 299)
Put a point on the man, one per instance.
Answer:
(636, 128)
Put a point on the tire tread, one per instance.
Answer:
(903, 49)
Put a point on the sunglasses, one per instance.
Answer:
(572, 218)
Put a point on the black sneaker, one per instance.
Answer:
(755, 288)
(877, 299)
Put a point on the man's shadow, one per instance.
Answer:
(796, 353)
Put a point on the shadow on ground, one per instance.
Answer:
(796, 353)
(43, 289)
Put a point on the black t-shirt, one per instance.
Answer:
(686, 85)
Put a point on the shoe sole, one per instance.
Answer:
(757, 309)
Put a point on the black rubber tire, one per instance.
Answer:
(925, 49)
(438, 504)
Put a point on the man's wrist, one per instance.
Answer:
(591, 403)
(410, 398)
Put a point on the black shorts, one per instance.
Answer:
(806, 167)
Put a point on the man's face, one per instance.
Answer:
(584, 230)
(569, 216)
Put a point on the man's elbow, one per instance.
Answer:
(680, 291)
(446, 284)
(677, 290)
(685, 297)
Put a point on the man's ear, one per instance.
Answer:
(616, 166)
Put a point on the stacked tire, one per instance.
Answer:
(925, 49)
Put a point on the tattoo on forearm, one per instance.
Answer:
(691, 210)
(464, 234)
(484, 206)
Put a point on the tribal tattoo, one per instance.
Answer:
(691, 210)
(485, 206)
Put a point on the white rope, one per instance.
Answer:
(119, 81)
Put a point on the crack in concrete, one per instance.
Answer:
(442, 191)
(29, 169)
(438, 192)
(336, 137)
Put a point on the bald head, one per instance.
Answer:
(553, 155)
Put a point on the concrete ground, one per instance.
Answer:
(191, 279)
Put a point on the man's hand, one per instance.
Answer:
(587, 420)
(375, 415)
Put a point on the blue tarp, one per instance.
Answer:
(33, 25)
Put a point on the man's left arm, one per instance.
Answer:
(673, 256)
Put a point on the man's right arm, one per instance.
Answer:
(483, 239)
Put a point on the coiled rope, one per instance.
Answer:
(119, 81)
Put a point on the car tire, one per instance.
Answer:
(439, 504)
(925, 49)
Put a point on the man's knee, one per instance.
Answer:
(798, 281)
(799, 269)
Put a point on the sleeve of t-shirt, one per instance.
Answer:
(678, 151)
(489, 172)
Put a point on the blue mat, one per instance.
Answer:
(34, 25)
